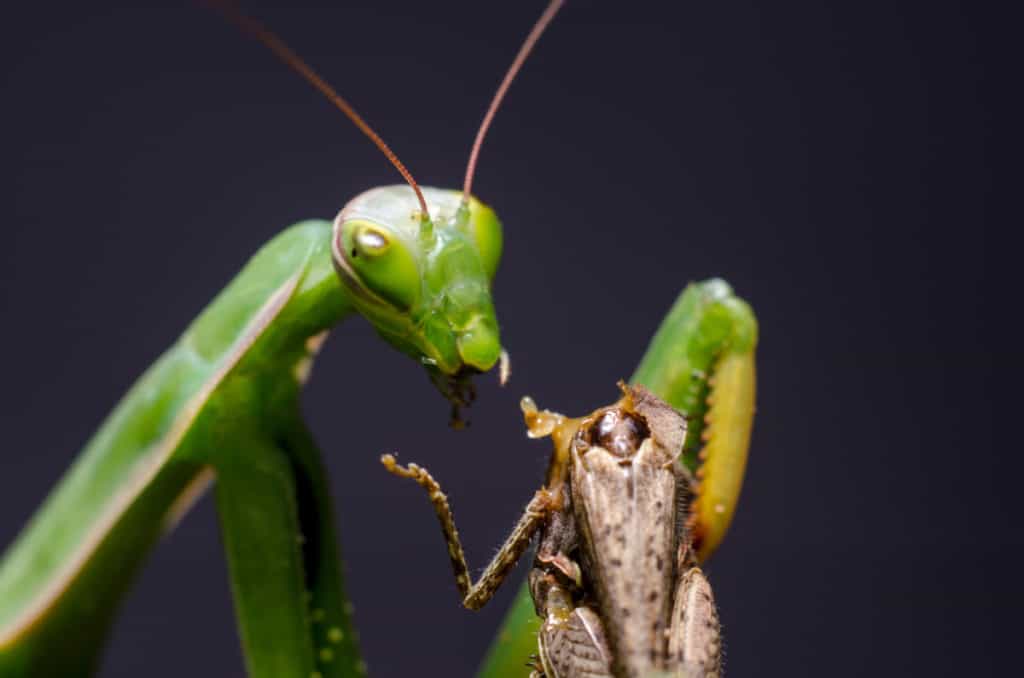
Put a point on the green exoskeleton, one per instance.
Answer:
(223, 403)
(634, 500)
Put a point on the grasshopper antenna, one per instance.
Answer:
(285, 54)
(517, 63)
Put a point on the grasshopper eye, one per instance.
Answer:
(383, 263)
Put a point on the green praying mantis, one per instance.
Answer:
(222, 403)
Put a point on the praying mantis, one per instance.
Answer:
(189, 400)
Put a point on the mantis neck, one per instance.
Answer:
(296, 265)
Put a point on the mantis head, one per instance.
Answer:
(424, 281)
(419, 263)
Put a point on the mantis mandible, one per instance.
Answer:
(223, 402)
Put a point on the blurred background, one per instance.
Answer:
(835, 162)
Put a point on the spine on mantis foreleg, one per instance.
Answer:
(701, 361)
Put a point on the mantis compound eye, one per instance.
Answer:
(382, 263)
(370, 242)
(617, 431)
(485, 231)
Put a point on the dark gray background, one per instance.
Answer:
(834, 161)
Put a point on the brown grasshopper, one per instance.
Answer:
(614, 578)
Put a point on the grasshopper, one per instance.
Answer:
(615, 576)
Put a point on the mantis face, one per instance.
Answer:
(424, 284)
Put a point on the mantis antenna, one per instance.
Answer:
(517, 63)
(283, 52)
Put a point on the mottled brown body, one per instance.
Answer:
(640, 606)
(624, 497)
(614, 576)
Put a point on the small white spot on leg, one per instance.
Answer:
(304, 366)
(188, 498)
(302, 369)
(314, 342)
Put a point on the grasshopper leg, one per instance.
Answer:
(475, 596)
(572, 640)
